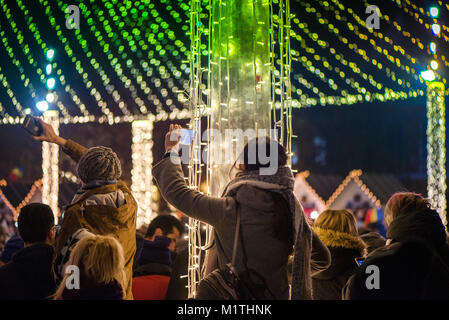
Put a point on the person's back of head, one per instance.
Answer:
(100, 260)
(35, 224)
(409, 217)
(338, 228)
(373, 241)
(402, 203)
(261, 154)
(99, 163)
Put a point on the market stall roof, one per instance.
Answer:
(324, 184)
(15, 195)
(378, 187)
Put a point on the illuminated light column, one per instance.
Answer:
(436, 148)
(240, 85)
(197, 109)
(50, 166)
(142, 180)
(241, 90)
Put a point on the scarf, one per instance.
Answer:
(114, 199)
(91, 185)
(156, 251)
(282, 182)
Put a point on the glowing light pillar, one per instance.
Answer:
(197, 109)
(50, 166)
(240, 78)
(142, 160)
(240, 84)
(436, 148)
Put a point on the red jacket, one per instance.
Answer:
(152, 287)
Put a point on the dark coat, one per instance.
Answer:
(11, 246)
(110, 291)
(266, 254)
(413, 266)
(328, 284)
(28, 276)
(177, 288)
(151, 277)
(100, 219)
(155, 251)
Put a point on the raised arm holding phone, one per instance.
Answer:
(103, 205)
(267, 209)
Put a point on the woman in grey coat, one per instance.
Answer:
(272, 220)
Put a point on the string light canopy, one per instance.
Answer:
(131, 58)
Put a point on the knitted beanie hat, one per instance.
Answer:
(99, 163)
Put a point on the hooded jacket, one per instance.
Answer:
(413, 266)
(344, 249)
(28, 275)
(101, 219)
(266, 254)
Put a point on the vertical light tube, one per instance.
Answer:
(141, 178)
(436, 148)
(240, 79)
(197, 110)
(50, 166)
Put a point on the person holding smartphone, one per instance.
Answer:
(272, 224)
(103, 205)
(338, 230)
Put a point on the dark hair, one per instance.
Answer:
(165, 222)
(34, 222)
(373, 241)
(255, 163)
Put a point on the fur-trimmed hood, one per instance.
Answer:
(332, 238)
(344, 248)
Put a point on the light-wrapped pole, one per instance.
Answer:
(141, 177)
(436, 147)
(50, 166)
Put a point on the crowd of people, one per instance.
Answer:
(261, 235)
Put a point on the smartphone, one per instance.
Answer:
(359, 261)
(32, 125)
(186, 137)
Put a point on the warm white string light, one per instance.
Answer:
(141, 177)
(197, 108)
(436, 148)
(50, 166)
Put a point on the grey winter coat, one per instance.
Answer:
(266, 254)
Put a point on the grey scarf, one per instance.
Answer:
(282, 182)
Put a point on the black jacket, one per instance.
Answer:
(177, 287)
(28, 275)
(90, 291)
(328, 284)
(414, 266)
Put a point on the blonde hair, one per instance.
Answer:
(402, 203)
(337, 220)
(99, 259)
(338, 228)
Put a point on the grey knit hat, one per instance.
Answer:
(99, 163)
